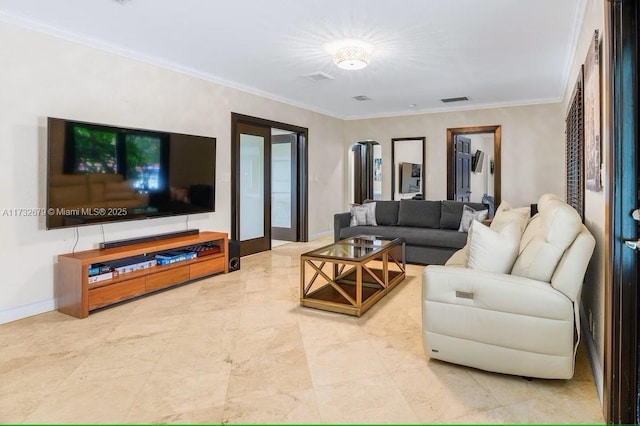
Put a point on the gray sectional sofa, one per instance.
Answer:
(429, 228)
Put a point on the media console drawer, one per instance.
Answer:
(167, 278)
(113, 293)
(207, 267)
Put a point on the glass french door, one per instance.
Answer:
(253, 203)
(283, 185)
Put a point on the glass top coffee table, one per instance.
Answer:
(351, 275)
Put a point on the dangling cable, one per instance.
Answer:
(73, 250)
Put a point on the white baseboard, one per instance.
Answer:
(320, 235)
(27, 311)
(592, 351)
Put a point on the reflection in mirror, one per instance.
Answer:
(365, 164)
(473, 165)
(481, 182)
(407, 172)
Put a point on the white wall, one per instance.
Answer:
(532, 147)
(45, 76)
(595, 202)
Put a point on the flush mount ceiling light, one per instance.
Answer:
(351, 57)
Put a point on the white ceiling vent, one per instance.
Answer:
(318, 76)
(458, 99)
(362, 98)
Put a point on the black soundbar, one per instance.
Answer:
(129, 241)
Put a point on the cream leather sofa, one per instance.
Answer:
(523, 321)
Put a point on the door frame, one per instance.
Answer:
(620, 390)
(451, 157)
(302, 233)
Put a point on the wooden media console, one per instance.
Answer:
(77, 297)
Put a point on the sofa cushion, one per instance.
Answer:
(387, 212)
(68, 196)
(381, 231)
(104, 177)
(419, 213)
(451, 213)
(435, 237)
(493, 251)
(67, 180)
(363, 215)
(469, 215)
(545, 239)
(119, 195)
(545, 198)
(412, 236)
(117, 190)
(506, 214)
(96, 192)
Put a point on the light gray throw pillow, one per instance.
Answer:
(363, 215)
(469, 215)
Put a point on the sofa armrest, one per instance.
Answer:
(496, 292)
(340, 220)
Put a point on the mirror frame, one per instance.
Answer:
(497, 142)
(393, 163)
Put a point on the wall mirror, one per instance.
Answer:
(365, 164)
(473, 165)
(408, 161)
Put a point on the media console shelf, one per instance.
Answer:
(77, 297)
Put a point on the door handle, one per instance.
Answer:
(634, 244)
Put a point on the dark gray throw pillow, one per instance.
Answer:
(452, 213)
(387, 212)
(420, 213)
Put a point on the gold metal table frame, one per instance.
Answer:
(351, 275)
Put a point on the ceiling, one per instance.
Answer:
(495, 52)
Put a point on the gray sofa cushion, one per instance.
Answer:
(381, 231)
(420, 213)
(412, 236)
(387, 212)
(452, 213)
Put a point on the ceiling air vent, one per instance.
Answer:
(459, 99)
(362, 98)
(318, 76)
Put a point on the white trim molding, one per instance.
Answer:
(25, 311)
(598, 376)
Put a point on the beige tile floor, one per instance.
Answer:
(238, 348)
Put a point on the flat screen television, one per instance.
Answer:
(476, 161)
(410, 175)
(98, 173)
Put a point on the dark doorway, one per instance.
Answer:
(252, 181)
(495, 166)
(463, 168)
(367, 164)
